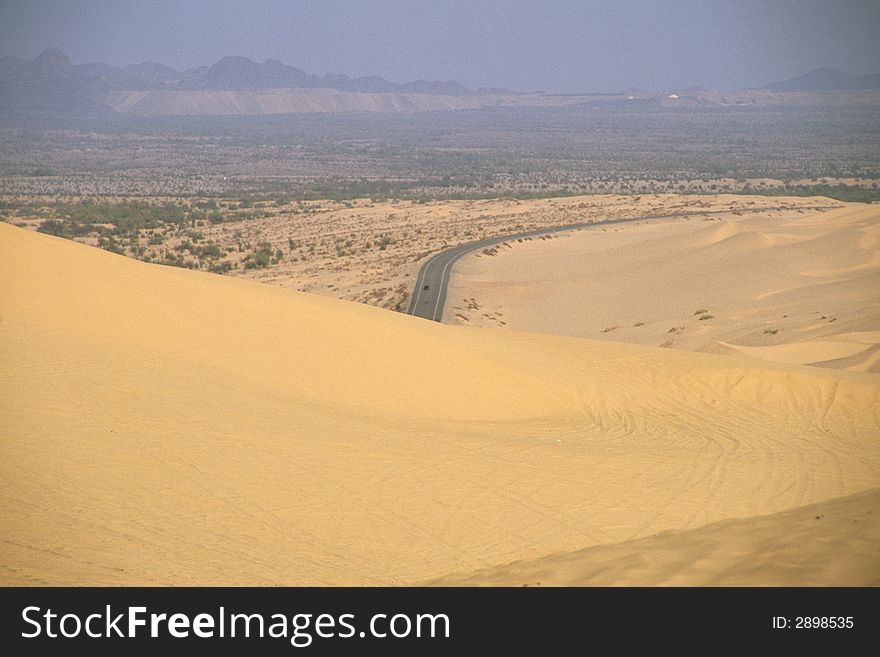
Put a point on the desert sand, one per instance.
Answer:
(166, 426)
(833, 541)
(797, 288)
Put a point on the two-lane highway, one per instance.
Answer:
(429, 293)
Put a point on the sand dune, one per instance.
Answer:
(789, 287)
(833, 543)
(165, 426)
(841, 347)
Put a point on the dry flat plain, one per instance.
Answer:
(167, 426)
(789, 287)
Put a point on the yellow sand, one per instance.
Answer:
(833, 542)
(164, 426)
(798, 288)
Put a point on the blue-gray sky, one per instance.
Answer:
(554, 45)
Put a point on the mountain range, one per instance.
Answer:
(52, 84)
(229, 74)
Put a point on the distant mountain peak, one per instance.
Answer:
(827, 79)
(52, 56)
(50, 63)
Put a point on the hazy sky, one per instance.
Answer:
(554, 45)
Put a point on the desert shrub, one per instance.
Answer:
(260, 258)
(384, 240)
(53, 227)
(110, 244)
(209, 250)
(119, 219)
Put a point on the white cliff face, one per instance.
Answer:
(282, 101)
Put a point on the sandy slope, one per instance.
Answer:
(160, 425)
(836, 542)
(795, 288)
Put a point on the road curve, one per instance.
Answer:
(429, 293)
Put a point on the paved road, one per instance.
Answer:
(429, 294)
